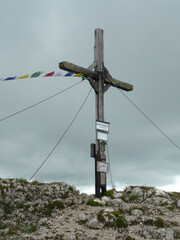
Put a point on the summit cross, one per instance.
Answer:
(100, 80)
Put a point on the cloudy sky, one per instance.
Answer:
(141, 46)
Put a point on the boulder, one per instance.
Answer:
(137, 212)
(94, 224)
(178, 203)
(136, 192)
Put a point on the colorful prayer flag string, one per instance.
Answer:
(40, 73)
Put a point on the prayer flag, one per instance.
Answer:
(49, 74)
(36, 74)
(58, 74)
(68, 74)
(78, 75)
(10, 78)
(24, 76)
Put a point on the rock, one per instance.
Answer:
(94, 224)
(136, 192)
(108, 210)
(42, 221)
(136, 212)
(1, 213)
(71, 237)
(147, 219)
(104, 200)
(39, 211)
(82, 217)
(97, 200)
(157, 200)
(117, 203)
(117, 195)
(167, 234)
(159, 192)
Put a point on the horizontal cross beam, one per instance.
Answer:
(67, 66)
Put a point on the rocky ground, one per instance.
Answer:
(58, 211)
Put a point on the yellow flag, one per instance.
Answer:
(78, 75)
(24, 76)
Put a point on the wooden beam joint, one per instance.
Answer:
(67, 66)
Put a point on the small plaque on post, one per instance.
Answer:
(102, 126)
(102, 130)
(102, 167)
(102, 136)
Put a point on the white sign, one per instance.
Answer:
(102, 136)
(102, 167)
(102, 126)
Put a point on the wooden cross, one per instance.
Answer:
(100, 80)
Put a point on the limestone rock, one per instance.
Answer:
(71, 237)
(117, 195)
(137, 212)
(38, 211)
(136, 192)
(82, 217)
(94, 224)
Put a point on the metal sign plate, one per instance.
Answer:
(102, 136)
(102, 126)
(102, 167)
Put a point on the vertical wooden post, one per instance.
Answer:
(100, 80)
(100, 178)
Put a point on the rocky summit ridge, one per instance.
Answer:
(35, 211)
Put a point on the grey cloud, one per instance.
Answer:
(141, 41)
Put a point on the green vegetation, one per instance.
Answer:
(144, 188)
(2, 225)
(115, 219)
(175, 195)
(65, 195)
(23, 181)
(164, 204)
(149, 222)
(174, 223)
(93, 203)
(56, 204)
(46, 211)
(161, 196)
(23, 228)
(18, 205)
(71, 189)
(129, 238)
(176, 234)
(109, 193)
(121, 222)
(171, 208)
(36, 183)
(48, 208)
(7, 207)
(82, 222)
(143, 209)
(27, 228)
(158, 222)
(133, 198)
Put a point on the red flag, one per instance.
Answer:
(49, 74)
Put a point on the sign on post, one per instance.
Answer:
(102, 130)
(102, 167)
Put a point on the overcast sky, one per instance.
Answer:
(141, 47)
